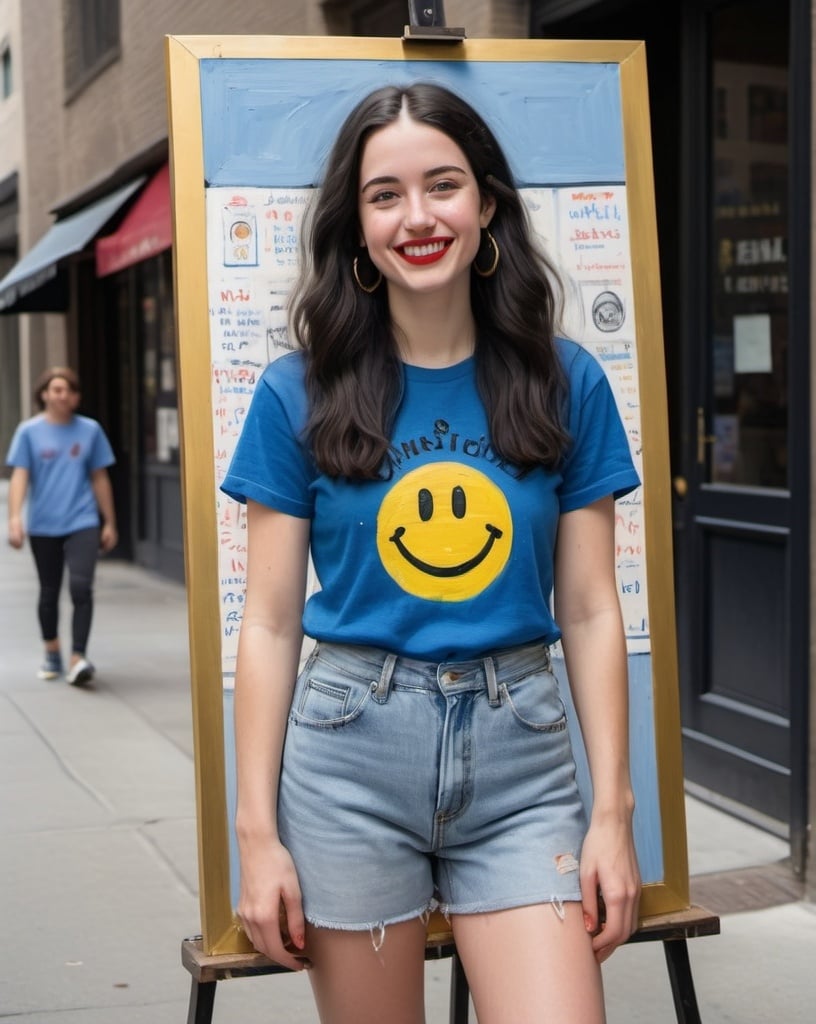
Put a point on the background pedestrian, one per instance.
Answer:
(59, 461)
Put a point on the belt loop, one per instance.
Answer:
(383, 686)
(492, 684)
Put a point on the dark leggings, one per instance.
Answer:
(79, 551)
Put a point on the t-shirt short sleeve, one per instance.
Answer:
(19, 452)
(101, 452)
(270, 463)
(599, 460)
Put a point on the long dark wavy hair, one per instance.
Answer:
(354, 375)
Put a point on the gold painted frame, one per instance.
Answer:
(221, 931)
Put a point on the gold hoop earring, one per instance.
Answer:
(491, 270)
(369, 288)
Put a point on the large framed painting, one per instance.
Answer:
(251, 122)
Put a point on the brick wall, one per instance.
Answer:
(492, 19)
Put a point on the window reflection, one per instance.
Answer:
(749, 230)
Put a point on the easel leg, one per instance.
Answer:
(202, 997)
(682, 984)
(459, 993)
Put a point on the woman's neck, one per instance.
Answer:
(433, 332)
(60, 419)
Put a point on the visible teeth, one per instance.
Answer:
(423, 250)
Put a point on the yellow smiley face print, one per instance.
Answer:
(444, 532)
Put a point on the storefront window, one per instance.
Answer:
(745, 441)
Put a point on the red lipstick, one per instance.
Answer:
(424, 250)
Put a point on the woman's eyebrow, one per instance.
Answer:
(432, 172)
(385, 179)
(444, 169)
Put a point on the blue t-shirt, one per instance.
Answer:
(60, 458)
(452, 555)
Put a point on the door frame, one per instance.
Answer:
(693, 310)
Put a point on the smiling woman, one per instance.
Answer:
(421, 215)
(425, 445)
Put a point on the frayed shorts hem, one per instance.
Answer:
(451, 909)
(367, 926)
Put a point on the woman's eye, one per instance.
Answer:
(383, 197)
(444, 186)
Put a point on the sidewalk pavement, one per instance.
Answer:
(98, 861)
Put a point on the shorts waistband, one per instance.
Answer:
(486, 672)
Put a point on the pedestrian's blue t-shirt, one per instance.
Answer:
(451, 556)
(60, 458)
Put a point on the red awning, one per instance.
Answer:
(146, 230)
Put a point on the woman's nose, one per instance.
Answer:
(418, 214)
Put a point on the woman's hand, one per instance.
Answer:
(108, 537)
(18, 486)
(609, 873)
(270, 905)
(16, 532)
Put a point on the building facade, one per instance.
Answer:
(11, 171)
(730, 83)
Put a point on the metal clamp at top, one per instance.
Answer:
(427, 24)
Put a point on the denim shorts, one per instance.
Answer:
(410, 785)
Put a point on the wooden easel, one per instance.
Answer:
(671, 929)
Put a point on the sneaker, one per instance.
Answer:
(80, 673)
(51, 668)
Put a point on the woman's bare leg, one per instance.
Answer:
(531, 965)
(354, 983)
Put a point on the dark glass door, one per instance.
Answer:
(729, 94)
(738, 537)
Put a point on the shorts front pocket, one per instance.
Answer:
(325, 697)
(536, 702)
